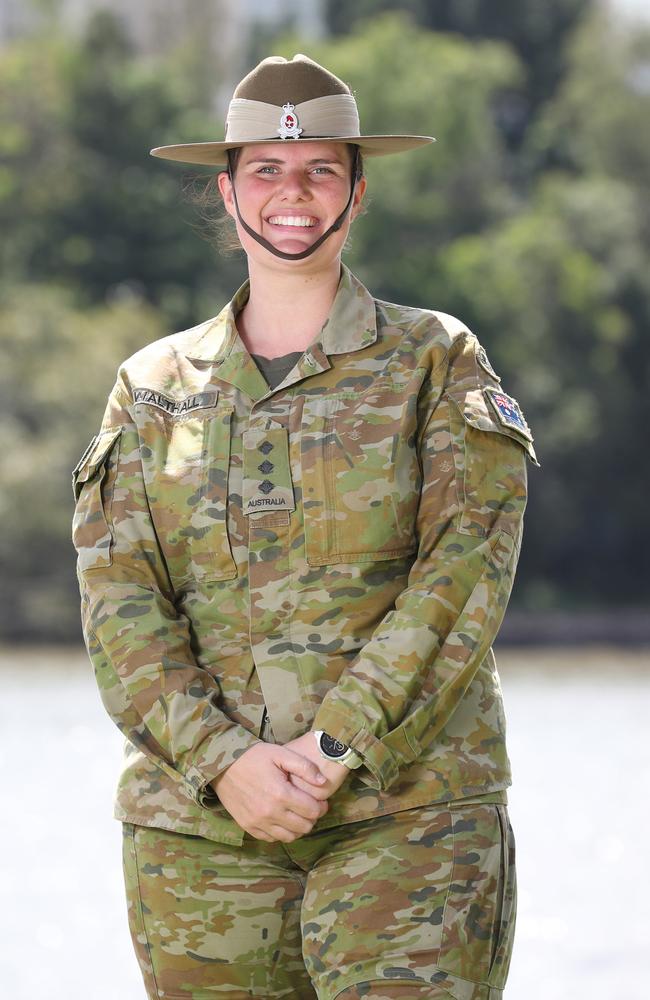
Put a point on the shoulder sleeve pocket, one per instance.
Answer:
(490, 409)
(490, 467)
(93, 459)
(92, 482)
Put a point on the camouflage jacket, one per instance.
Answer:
(336, 554)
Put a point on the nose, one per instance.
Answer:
(296, 185)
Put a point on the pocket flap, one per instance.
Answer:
(93, 458)
(490, 409)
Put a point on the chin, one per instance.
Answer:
(292, 246)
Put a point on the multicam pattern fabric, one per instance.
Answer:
(420, 903)
(339, 550)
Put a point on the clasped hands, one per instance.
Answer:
(279, 792)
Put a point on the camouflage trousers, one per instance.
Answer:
(418, 903)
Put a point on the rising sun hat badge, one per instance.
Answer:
(289, 122)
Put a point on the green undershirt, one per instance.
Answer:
(275, 370)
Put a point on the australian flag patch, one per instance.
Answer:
(508, 411)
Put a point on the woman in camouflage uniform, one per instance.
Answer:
(297, 529)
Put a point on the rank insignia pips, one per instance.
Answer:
(267, 485)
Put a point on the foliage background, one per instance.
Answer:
(529, 219)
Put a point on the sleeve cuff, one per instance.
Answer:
(380, 765)
(224, 751)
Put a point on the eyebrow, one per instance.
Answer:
(271, 159)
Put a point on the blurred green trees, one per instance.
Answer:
(84, 203)
(59, 363)
(536, 32)
(528, 218)
(542, 250)
(98, 257)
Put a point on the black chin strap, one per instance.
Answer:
(336, 225)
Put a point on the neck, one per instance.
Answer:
(286, 311)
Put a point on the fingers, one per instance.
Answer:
(303, 803)
(320, 794)
(285, 836)
(294, 763)
(296, 812)
(259, 834)
(293, 817)
(285, 816)
(291, 828)
(258, 792)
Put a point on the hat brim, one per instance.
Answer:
(215, 153)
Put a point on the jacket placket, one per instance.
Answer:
(271, 493)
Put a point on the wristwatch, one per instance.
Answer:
(332, 749)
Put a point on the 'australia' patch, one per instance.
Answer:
(508, 411)
(176, 407)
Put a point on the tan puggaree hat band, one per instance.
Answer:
(290, 100)
(332, 116)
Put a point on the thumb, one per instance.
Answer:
(295, 763)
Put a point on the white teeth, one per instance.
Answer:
(292, 220)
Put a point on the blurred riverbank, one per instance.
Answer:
(581, 763)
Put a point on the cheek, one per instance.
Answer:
(252, 196)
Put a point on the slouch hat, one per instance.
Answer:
(290, 100)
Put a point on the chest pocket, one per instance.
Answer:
(186, 475)
(360, 476)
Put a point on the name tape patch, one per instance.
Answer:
(176, 407)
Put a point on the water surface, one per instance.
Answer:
(578, 739)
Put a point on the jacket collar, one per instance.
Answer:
(351, 325)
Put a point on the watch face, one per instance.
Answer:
(332, 747)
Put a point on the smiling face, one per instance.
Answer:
(291, 193)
